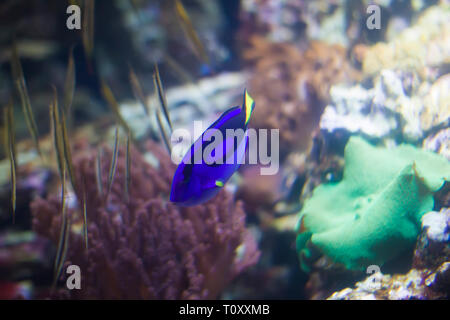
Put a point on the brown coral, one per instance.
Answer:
(149, 248)
(291, 87)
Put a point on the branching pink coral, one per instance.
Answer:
(148, 248)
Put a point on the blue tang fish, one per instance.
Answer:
(201, 173)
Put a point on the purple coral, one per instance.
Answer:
(148, 248)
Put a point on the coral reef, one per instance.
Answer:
(188, 102)
(439, 143)
(349, 194)
(291, 87)
(278, 21)
(334, 22)
(373, 214)
(405, 95)
(387, 108)
(147, 248)
(428, 279)
(327, 21)
(426, 44)
(436, 111)
(433, 246)
(352, 109)
(416, 284)
(425, 109)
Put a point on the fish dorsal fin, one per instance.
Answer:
(247, 106)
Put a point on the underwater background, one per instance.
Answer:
(91, 91)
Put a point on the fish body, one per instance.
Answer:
(202, 173)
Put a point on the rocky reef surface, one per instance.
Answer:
(402, 98)
(428, 279)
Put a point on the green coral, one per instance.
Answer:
(374, 212)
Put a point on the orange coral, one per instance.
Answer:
(291, 87)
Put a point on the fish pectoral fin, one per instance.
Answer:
(219, 183)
